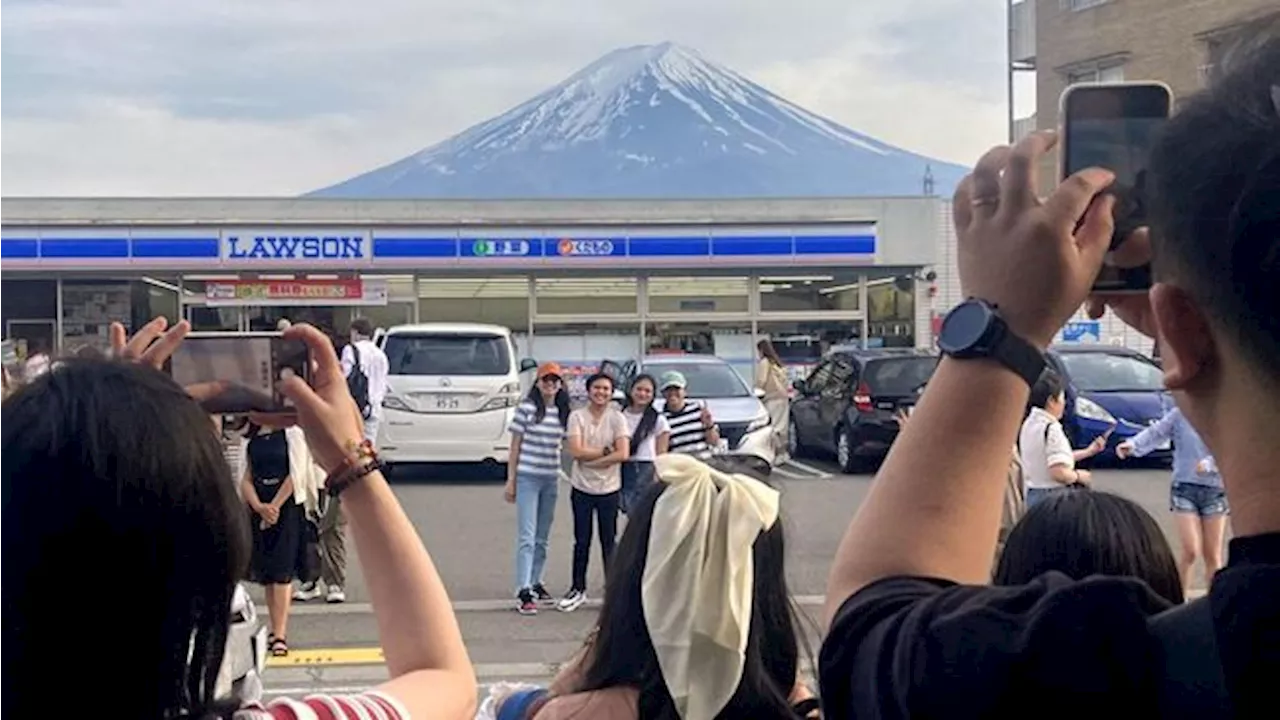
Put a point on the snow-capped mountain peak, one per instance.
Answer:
(651, 121)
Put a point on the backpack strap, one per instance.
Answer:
(1192, 684)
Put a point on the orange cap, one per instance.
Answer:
(549, 368)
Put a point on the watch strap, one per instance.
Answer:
(1015, 353)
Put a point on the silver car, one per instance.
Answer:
(714, 383)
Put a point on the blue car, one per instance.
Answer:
(1109, 385)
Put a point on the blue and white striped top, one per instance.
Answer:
(540, 442)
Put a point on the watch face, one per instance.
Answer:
(964, 327)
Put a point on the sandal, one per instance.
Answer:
(277, 647)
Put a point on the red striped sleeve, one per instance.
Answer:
(366, 706)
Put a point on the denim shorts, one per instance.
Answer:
(1202, 500)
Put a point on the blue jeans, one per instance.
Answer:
(637, 476)
(1195, 499)
(535, 511)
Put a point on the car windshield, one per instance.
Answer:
(899, 376)
(1112, 372)
(706, 380)
(448, 354)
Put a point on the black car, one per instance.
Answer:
(849, 403)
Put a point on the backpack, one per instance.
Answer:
(358, 384)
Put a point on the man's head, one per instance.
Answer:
(673, 386)
(1215, 212)
(361, 329)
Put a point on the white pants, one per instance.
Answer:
(371, 428)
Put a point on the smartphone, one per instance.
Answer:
(1113, 126)
(247, 368)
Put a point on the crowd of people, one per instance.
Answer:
(112, 476)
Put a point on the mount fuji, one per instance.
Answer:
(654, 121)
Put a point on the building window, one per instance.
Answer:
(1096, 73)
(1078, 5)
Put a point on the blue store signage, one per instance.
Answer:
(281, 247)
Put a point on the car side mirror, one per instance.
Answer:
(800, 387)
(759, 393)
(619, 397)
(528, 364)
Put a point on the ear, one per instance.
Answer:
(1187, 346)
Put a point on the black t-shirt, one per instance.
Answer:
(921, 648)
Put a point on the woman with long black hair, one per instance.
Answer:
(650, 436)
(533, 474)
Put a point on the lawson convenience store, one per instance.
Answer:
(575, 280)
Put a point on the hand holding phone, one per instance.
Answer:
(242, 370)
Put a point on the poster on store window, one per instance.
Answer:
(248, 293)
(89, 310)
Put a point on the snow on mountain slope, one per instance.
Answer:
(653, 121)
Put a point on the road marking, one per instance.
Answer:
(329, 656)
(460, 606)
(806, 468)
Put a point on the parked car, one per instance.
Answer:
(736, 407)
(848, 405)
(1109, 385)
(451, 392)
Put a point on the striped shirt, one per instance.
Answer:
(688, 436)
(540, 442)
(371, 705)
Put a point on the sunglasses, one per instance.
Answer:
(549, 379)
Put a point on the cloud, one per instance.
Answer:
(239, 97)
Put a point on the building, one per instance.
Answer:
(577, 281)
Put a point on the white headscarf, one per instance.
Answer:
(699, 578)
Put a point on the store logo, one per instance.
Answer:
(293, 247)
(501, 248)
(585, 248)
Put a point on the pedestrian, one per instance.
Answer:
(276, 474)
(533, 476)
(771, 379)
(366, 369)
(650, 437)
(693, 430)
(1048, 462)
(599, 443)
(1196, 497)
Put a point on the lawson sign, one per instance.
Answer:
(288, 246)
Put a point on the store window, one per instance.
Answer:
(891, 312)
(30, 311)
(809, 293)
(731, 342)
(490, 300)
(706, 294)
(587, 296)
(90, 306)
(1096, 73)
(801, 345)
(580, 347)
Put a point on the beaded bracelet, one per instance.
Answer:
(362, 460)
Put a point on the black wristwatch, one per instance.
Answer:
(974, 329)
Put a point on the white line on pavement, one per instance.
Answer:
(464, 606)
(803, 467)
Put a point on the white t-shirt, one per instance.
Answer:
(1042, 443)
(648, 449)
(376, 367)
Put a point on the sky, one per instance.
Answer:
(246, 97)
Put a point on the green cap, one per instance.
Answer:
(673, 379)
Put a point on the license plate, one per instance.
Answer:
(443, 403)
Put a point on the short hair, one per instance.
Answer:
(1048, 387)
(362, 326)
(1215, 172)
(600, 376)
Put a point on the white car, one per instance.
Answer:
(451, 393)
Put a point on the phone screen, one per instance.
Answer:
(248, 366)
(1114, 127)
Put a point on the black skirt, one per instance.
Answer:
(275, 549)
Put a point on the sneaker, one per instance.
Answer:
(309, 591)
(335, 594)
(542, 596)
(572, 600)
(527, 606)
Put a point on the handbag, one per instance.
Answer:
(308, 564)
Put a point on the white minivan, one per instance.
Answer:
(451, 391)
